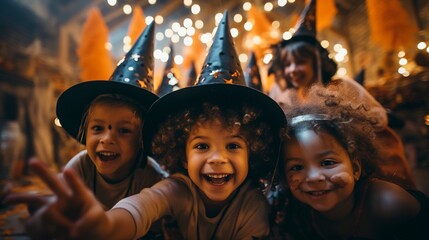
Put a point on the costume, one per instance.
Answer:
(244, 217)
(109, 194)
(344, 91)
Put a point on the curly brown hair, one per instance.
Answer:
(353, 131)
(169, 143)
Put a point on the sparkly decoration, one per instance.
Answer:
(230, 81)
(142, 83)
(216, 73)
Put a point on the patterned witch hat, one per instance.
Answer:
(252, 75)
(133, 77)
(306, 32)
(169, 80)
(305, 27)
(221, 82)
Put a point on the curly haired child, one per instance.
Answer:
(218, 138)
(334, 189)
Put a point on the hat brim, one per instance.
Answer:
(300, 38)
(73, 102)
(217, 93)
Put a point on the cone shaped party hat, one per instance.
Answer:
(252, 75)
(132, 78)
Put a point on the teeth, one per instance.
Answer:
(107, 154)
(217, 175)
(318, 193)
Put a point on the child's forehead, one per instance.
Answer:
(114, 112)
(215, 124)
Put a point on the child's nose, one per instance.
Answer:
(218, 157)
(314, 174)
(108, 137)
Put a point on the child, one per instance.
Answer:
(330, 172)
(217, 146)
(309, 71)
(107, 117)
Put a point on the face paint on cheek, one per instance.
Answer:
(293, 183)
(342, 179)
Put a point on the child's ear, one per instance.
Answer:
(357, 169)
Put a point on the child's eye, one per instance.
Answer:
(328, 162)
(233, 146)
(201, 146)
(124, 130)
(296, 168)
(96, 128)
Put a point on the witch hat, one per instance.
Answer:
(252, 76)
(305, 27)
(221, 82)
(133, 77)
(169, 80)
(192, 75)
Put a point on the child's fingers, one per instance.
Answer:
(76, 184)
(51, 179)
(48, 221)
(26, 198)
(90, 223)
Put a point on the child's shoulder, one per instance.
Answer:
(389, 201)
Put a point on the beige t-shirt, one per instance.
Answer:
(109, 194)
(245, 217)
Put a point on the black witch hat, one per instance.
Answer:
(252, 75)
(133, 77)
(221, 82)
(169, 80)
(305, 27)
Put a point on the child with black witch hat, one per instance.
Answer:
(107, 117)
(218, 139)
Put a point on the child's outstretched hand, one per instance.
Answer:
(74, 212)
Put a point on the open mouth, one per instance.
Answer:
(217, 179)
(107, 156)
(317, 193)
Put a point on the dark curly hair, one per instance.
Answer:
(304, 50)
(351, 129)
(169, 143)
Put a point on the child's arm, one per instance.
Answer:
(74, 212)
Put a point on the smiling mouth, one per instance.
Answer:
(107, 156)
(217, 179)
(317, 193)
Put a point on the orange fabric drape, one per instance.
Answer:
(326, 10)
(95, 61)
(137, 24)
(325, 14)
(391, 26)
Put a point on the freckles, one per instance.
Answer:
(342, 179)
